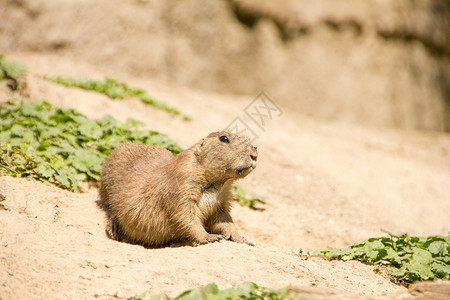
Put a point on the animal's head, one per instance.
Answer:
(225, 156)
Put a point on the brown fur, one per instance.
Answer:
(155, 198)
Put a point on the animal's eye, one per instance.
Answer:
(224, 139)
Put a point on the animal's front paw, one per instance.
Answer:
(211, 238)
(241, 239)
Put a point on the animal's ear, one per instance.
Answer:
(199, 147)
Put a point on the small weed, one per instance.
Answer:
(246, 290)
(239, 193)
(60, 145)
(115, 90)
(10, 72)
(408, 258)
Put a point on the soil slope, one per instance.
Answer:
(327, 185)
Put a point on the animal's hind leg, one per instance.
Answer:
(114, 231)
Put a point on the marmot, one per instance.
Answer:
(156, 199)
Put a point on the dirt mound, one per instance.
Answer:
(327, 185)
(57, 248)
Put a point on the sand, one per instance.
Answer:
(327, 184)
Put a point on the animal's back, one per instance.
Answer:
(125, 166)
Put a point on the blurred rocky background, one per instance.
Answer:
(374, 62)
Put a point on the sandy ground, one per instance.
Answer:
(327, 184)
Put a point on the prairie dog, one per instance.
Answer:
(155, 198)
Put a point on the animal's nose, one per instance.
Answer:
(253, 153)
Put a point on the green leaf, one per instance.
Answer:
(107, 122)
(390, 234)
(132, 123)
(183, 294)
(422, 270)
(210, 288)
(438, 247)
(157, 297)
(49, 132)
(373, 250)
(239, 191)
(91, 130)
(10, 69)
(43, 146)
(17, 131)
(248, 287)
(87, 162)
(393, 257)
(445, 259)
(140, 297)
(421, 256)
(398, 272)
(442, 271)
(45, 171)
(63, 180)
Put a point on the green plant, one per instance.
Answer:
(10, 72)
(239, 193)
(408, 258)
(246, 290)
(115, 90)
(60, 145)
